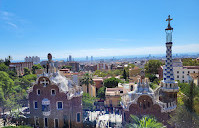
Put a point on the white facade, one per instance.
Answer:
(182, 73)
(34, 59)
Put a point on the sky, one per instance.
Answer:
(96, 27)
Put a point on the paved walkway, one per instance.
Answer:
(102, 119)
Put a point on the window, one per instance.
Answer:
(188, 72)
(78, 117)
(56, 123)
(177, 71)
(194, 72)
(183, 76)
(38, 92)
(36, 121)
(177, 76)
(182, 72)
(35, 105)
(59, 105)
(53, 92)
(45, 122)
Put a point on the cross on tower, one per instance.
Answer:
(169, 27)
(44, 82)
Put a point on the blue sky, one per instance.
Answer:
(96, 27)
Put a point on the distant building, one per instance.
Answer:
(91, 68)
(70, 58)
(91, 58)
(64, 72)
(19, 67)
(86, 58)
(34, 59)
(102, 66)
(182, 73)
(75, 66)
(177, 63)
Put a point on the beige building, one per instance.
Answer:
(195, 78)
(113, 97)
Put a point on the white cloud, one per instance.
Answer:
(12, 25)
(190, 48)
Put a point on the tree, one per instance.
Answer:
(185, 115)
(152, 66)
(101, 92)
(88, 101)
(87, 80)
(111, 82)
(182, 118)
(67, 66)
(36, 66)
(151, 77)
(3, 67)
(6, 90)
(26, 81)
(144, 122)
(8, 60)
(190, 62)
(124, 74)
(26, 71)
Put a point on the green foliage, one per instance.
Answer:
(112, 73)
(190, 62)
(144, 122)
(87, 80)
(131, 65)
(8, 60)
(101, 92)
(153, 86)
(152, 66)
(3, 67)
(26, 81)
(186, 113)
(66, 66)
(183, 118)
(124, 74)
(36, 66)
(26, 71)
(151, 77)
(88, 101)
(6, 90)
(111, 82)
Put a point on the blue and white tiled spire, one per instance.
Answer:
(168, 73)
(168, 83)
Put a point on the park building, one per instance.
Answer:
(142, 100)
(55, 101)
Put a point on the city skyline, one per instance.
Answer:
(93, 28)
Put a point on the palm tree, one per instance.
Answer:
(87, 80)
(144, 122)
